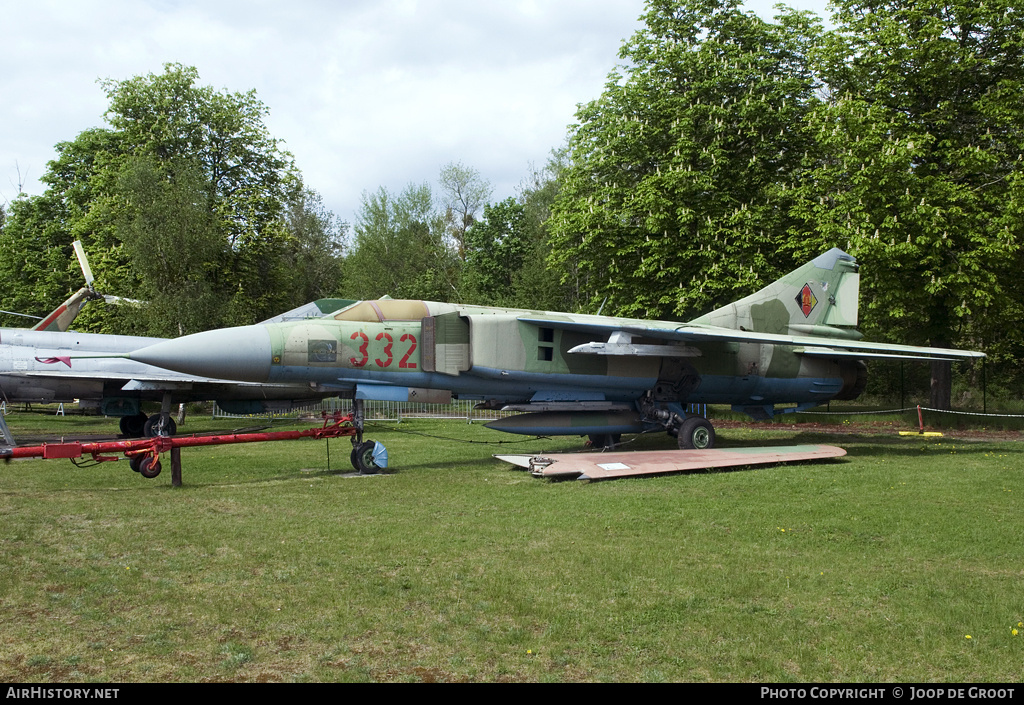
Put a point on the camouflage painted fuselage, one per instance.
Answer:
(494, 354)
(792, 343)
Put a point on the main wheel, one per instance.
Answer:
(133, 426)
(604, 440)
(696, 433)
(154, 427)
(370, 458)
(149, 467)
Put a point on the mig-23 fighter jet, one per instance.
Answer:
(793, 344)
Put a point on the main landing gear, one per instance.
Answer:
(159, 425)
(141, 426)
(133, 426)
(368, 457)
(696, 433)
(605, 441)
(693, 431)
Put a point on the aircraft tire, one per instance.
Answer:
(604, 440)
(363, 457)
(133, 426)
(153, 428)
(696, 433)
(149, 467)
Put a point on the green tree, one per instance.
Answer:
(168, 117)
(315, 247)
(680, 173)
(399, 249)
(539, 283)
(918, 172)
(464, 193)
(171, 238)
(496, 252)
(35, 245)
(35, 261)
(168, 139)
(508, 250)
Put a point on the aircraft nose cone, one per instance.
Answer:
(241, 354)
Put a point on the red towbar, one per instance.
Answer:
(144, 453)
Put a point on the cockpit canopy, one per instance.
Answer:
(383, 310)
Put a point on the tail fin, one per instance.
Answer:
(61, 317)
(819, 298)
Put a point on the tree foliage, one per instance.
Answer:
(497, 248)
(680, 172)
(400, 248)
(507, 252)
(170, 237)
(35, 245)
(464, 193)
(918, 172)
(727, 150)
(316, 247)
(918, 169)
(34, 262)
(185, 200)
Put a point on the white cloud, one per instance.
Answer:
(363, 93)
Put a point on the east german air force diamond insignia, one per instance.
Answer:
(806, 300)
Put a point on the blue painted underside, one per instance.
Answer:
(511, 386)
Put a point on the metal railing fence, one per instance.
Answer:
(384, 411)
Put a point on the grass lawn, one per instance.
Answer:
(900, 562)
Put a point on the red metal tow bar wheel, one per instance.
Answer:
(149, 467)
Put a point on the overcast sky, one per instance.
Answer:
(364, 93)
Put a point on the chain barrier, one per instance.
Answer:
(974, 413)
(857, 413)
(913, 408)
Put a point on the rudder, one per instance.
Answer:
(819, 298)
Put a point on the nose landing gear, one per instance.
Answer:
(368, 457)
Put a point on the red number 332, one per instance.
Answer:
(364, 351)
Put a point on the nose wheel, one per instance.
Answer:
(368, 457)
